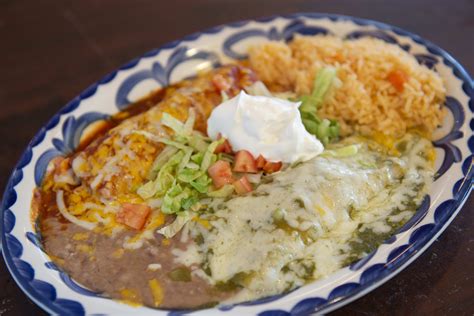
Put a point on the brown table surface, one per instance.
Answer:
(52, 50)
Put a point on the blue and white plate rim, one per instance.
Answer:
(462, 191)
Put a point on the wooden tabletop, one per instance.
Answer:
(52, 50)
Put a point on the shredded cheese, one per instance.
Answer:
(63, 210)
(154, 266)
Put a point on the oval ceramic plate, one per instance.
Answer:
(56, 293)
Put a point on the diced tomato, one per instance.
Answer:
(221, 83)
(242, 185)
(244, 162)
(220, 173)
(225, 147)
(260, 162)
(271, 167)
(133, 215)
(397, 78)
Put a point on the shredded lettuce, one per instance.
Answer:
(176, 125)
(224, 96)
(178, 142)
(173, 228)
(173, 143)
(322, 83)
(225, 157)
(187, 175)
(346, 151)
(201, 184)
(164, 179)
(197, 142)
(209, 157)
(178, 176)
(325, 130)
(161, 159)
(178, 198)
(186, 158)
(188, 202)
(197, 158)
(148, 190)
(171, 204)
(258, 88)
(192, 165)
(225, 191)
(189, 124)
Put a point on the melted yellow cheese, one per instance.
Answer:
(156, 291)
(130, 297)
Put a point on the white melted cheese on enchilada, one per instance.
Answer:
(309, 220)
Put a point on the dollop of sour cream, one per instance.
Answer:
(266, 126)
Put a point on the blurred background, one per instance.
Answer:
(52, 50)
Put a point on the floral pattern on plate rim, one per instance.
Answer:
(371, 275)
